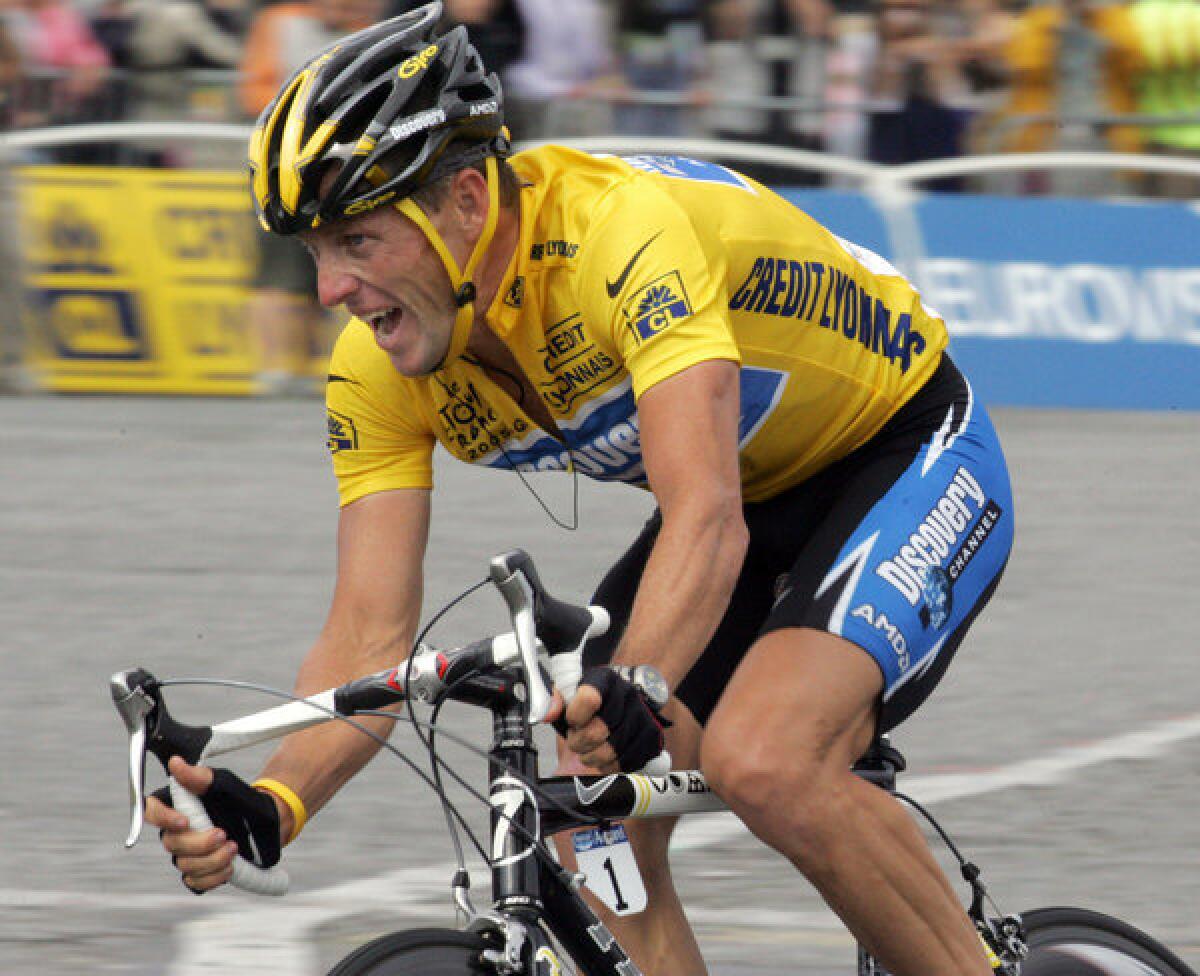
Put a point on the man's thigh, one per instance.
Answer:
(904, 562)
(894, 549)
(800, 699)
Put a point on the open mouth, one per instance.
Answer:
(385, 319)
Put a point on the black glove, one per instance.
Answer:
(248, 816)
(635, 729)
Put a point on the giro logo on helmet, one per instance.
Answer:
(418, 62)
(362, 206)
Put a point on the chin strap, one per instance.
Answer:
(460, 279)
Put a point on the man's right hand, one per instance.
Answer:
(246, 821)
(611, 724)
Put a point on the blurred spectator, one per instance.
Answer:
(916, 83)
(847, 87)
(64, 67)
(12, 373)
(1168, 37)
(802, 31)
(10, 74)
(565, 57)
(284, 36)
(231, 16)
(768, 49)
(1073, 60)
(154, 42)
(659, 52)
(986, 30)
(495, 27)
(291, 326)
(733, 67)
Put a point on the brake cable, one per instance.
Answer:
(369, 733)
(437, 764)
(970, 871)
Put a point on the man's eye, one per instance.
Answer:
(353, 241)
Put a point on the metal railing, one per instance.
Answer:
(892, 188)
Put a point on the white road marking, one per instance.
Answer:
(274, 935)
(1053, 767)
(21, 898)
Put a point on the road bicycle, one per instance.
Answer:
(538, 923)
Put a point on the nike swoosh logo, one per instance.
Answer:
(334, 378)
(614, 287)
(589, 794)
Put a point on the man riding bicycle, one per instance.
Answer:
(833, 507)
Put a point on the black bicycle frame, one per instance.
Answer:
(525, 883)
(526, 809)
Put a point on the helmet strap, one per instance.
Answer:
(460, 279)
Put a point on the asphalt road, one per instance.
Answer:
(196, 538)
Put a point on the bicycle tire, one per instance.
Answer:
(418, 952)
(1077, 942)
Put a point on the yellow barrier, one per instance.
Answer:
(136, 280)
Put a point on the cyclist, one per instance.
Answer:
(833, 508)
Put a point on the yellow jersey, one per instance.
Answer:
(628, 271)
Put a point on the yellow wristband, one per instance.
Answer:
(293, 802)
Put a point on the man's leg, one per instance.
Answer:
(798, 712)
(659, 940)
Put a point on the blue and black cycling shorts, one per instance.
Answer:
(896, 548)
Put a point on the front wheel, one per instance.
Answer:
(421, 952)
(1077, 942)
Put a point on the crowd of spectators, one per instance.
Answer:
(886, 80)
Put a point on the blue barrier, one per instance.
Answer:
(1052, 302)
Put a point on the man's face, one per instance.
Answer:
(383, 269)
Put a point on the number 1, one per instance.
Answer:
(622, 904)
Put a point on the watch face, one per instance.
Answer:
(653, 684)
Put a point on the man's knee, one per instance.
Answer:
(750, 774)
(798, 712)
(773, 788)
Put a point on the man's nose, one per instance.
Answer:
(334, 286)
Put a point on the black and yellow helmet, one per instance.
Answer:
(396, 105)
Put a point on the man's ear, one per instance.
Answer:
(469, 196)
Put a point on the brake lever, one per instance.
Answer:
(509, 572)
(135, 695)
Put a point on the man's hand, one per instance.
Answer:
(610, 724)
(246, 821)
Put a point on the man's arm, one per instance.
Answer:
(689, 426)
(370, 627)
(689, 434)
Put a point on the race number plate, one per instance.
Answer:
(606, 859)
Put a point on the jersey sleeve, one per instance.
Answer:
(376, 435)
(651, 283)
